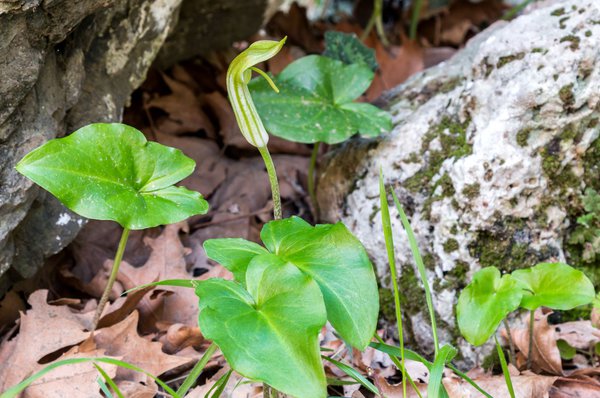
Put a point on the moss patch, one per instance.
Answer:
(506, 246)
(503, 61)
(573, 39)
(451, 245)
(471, 191)
(566, 95)
(523, 137)
(558, 12)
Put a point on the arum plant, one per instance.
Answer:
(239, 74)
(316, 100)
(490, 297)
(111, 172)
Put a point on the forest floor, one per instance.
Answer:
(186, 106)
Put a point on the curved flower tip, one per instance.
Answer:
(238, 76)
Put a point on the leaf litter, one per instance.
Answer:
(156, 328)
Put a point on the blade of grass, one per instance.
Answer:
(435, 388)
(350, 371)
(389, 245)
(414, 21)
(104, 387)
(394, 351)
(219, 386)
(504, 367)
(109, 381)
(399, 365)
(15, 390)
(167, 282)
(421, 267)
(196, 370)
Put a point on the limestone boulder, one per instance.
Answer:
(490, 156)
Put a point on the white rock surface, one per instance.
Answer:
(525, 97)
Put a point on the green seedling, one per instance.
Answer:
(490, 297)
(315, 103)
(111, 172)
(346, 47)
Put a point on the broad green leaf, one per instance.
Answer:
(111, 172)
(566, 351)
(554, 285)
(485, 302)
(346, 47)
(233, 254)
(435, 388)
(315, 102)
(270, 335)
(337, 261)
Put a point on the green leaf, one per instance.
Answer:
(485, 302)
(315, 102)
(346, 47)
(554, 285)
(435, 389)
(566, 351)
(233, 254)
(111, 172)
(338, 262)
(356, 375)
(270, 334)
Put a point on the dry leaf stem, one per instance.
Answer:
(113, 276)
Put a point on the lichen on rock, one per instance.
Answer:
(491, 169)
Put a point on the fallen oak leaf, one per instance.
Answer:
(545, 353)
(122, 340)
(62, 328)
(579, 334)
(525, 386)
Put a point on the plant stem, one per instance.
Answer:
(529, 352)
(511, 344)
(377, 21)
(414, 22)
(111, 280)
(264, 152)
(196, 370)
(311, 179)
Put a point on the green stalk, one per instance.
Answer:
(111, 280)
(511, 344)
(421, 267)
(377, 21)
(389, 245)
(414, 22)
(505, 371)
(530, 351)
(264, 152)
(196, 370)
(400, 365)
(311, 178)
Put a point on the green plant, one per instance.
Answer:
(315, 101)
(490, 297)
(111, 172)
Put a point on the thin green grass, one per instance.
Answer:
(504, 367)
(108, 380)
(389, 245)
(353, 373)
(196, 371)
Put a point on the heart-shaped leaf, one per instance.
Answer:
(111, 172)
(554, 285)
(348, 48)
(485, 302)
(234, 254)
(271, 333)
(315, 102)
(335, 259)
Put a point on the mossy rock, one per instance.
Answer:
(490, 171)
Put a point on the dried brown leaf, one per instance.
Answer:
(545, 354)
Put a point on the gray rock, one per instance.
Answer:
(65, 64)
(489, 155)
